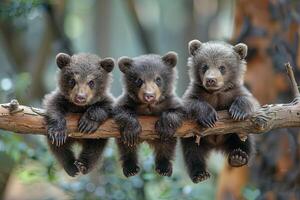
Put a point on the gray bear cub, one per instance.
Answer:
(83, 80)
(217, 83)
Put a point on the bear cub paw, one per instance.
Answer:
(81, 167)
(58, 135)
(130, 134)
(238, 158)
(165, 131)
(71, 170)
(86, 125)
(130, 170)
(239, 112)
(209, 119)
(199, 177)
(164, 168)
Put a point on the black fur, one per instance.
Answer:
(87, 75)
(141, 73)
(225, 66)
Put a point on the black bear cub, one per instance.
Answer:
(217, 83)
(148, 90)
(82, 88)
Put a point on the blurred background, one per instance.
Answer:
(32, 32)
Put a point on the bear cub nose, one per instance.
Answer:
(80, 98)
(211, 82)
(148, 97)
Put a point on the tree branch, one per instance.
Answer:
(28, 120)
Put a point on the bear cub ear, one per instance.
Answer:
(107, 64)
(62, 60)
(194, 46)
(170, 59)
(125, 63)
(241, 49)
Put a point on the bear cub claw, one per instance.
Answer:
(239, 113)
(209, 119)
(238, 158)
(86, 125)
(130, 170)
(130, 136)
(164, 169)
(201, 177)
(72, 170)
(165, 131)
(57, 135)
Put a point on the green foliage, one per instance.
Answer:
(13, 145)
(108, 182)
(20, 8)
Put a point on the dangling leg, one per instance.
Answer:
(238, 151)
(195, 158)
(65, 156)
(92, 150)
(128, 158)
(164, 153)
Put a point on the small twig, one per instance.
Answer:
(289, 70)
(13, 106)
(197, 140)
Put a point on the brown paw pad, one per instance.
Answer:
(81, 167)
(238, 158)
(201, 177)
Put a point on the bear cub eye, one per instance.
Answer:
(204, 68)
(158, 81)
(91, 84)
(72, 82)
(138, 82)
(222, 69)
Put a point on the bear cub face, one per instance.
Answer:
(82, 76)
(147, 78)
(216, 65)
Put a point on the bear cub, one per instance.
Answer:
(148, 90)
(217, 83)
(83, 81)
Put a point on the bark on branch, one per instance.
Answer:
(28, 120)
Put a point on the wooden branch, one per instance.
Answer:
(29, 120)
